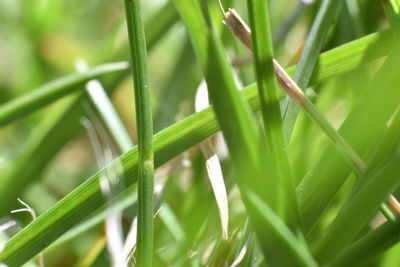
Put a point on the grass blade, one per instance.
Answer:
(245, 143)
(144, 123)
(270, 108)
(213, 165)
(358, 211)
(270, 220)
(170, 142)
(107, 111)
(367, 119)
(392, 11)
(60, 125)
(309, 58)
(52, 91)
(368, 246)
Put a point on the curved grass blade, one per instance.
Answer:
(87, 198)
(52, 91)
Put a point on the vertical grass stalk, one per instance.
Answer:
(145, 133)
(270, 108)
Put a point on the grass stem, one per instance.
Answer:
(145, 133)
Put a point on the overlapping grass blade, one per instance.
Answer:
(104, 107)
(383, 148)
(267, 85)
(359, 211)
(361, 128)
(368, 246)
(61, 124)
(282, 232)
(392, 11)
(52, 91)
(309, 58)
(245, 143)
(172, 141)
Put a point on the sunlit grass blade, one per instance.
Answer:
(368, 246)
(367, 120)
(107, 111)
(170, 142)
(52, 91)
(308, 58)
(144, 122)
(270, 109)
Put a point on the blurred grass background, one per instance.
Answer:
(40, 40)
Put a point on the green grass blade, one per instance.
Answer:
(59, 126)
(367, 120)
(52, 91)
(358, 212)
(270, 108)
(270, 220)
(123, 201)
(159, 23)
(392, 11)
(105, 108)
(241, 129)
(246, 146)
(170, 142)
(176, 89)
(309, 58)
(371, 244)
(144, 122)
(383, 148)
